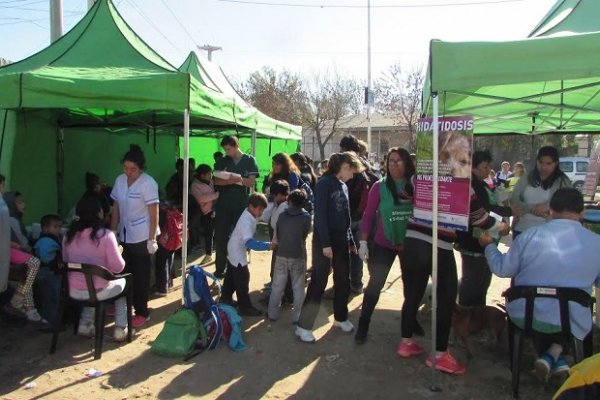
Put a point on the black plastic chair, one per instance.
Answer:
(89, 272)
(516, 334)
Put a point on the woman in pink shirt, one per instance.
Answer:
(383, 228)
(204, 193)
(88, 242)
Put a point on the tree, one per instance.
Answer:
(399, 95)
(330, 98)
(279, 95)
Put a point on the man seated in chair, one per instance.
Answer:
(559, 253)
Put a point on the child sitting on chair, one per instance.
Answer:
(89, 242)
(20, 253)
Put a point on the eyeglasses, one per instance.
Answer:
(397, 162)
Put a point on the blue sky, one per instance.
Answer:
(304, 36)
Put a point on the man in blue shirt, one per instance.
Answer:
(559, 253)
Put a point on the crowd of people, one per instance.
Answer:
(358, 215)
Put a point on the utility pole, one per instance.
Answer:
(56, 21)
(208, 48)
(369, 97)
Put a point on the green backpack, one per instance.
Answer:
(179, 335)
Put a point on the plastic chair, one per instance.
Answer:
(516, 334)
(89, 272)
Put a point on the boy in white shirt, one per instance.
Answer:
(237, 276)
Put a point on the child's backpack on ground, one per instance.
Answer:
(310, 196)
(171, 237)
(198, 298)
(179, 335)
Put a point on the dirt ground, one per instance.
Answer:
(275, 366)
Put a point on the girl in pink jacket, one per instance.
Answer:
(204, 193)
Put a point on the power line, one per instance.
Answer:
(473, 3)
(141, 13)
(179, 22)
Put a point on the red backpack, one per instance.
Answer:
(171, 236)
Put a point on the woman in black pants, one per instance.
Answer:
(388, 207)
(415, 275)
(332, 243)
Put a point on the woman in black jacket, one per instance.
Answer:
(332, 243)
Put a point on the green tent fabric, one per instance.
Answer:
(568, 17)
(527, 86)
(213, 77)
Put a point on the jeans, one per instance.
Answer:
(237, 280)
(416, 268)
(318, 281)
(356, 263)
(47, 291)
(476, 279)
(286, 269)
(114, 288)
(224, 223)
(163, 268)
(380, 262)
(137, 261)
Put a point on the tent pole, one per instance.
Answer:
(186, 180)
(434, 239)
(60, 169)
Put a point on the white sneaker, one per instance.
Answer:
(34, 316)
(305, 335)
(120, 334)
(86, 329)
(345, 326)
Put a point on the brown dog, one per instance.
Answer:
(469, 320)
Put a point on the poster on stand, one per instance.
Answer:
(455, 148)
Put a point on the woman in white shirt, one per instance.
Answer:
(135, 219)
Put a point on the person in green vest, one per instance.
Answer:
(234, 190)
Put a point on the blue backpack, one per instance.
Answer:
(310, 196)
(197, 297)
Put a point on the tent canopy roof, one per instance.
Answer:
(526, 86)
(213, 77)
(569, 16)
(101, 73)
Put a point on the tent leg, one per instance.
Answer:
(434, 239)
(60, 169)
(186, 180)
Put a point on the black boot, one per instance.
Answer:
(361, 331)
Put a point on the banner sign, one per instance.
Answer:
(455, 149)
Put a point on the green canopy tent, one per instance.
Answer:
(531, 86)
(77, 104)
(104, 87)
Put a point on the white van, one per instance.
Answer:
(575, 168)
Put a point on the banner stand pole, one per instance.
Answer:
(434, 242)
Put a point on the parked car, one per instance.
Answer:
(575, 168)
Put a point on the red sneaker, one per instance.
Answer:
(409, 349)
(138, 320)
(446, 363)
